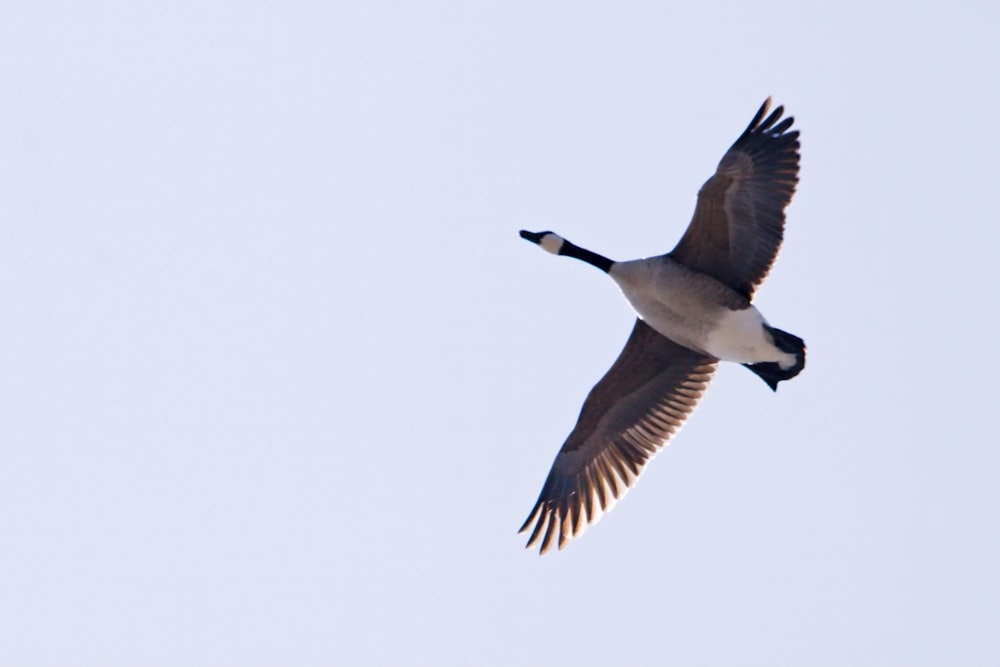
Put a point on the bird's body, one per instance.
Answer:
(694, 309)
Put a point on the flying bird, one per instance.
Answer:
(694, 309)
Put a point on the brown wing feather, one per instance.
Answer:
(739, 220)
(628, 416)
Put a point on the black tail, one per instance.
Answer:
(770, 371)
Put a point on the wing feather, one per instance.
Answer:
(739, 221)
(628, 416)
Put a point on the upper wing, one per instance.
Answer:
(738, 223)
(628, 416)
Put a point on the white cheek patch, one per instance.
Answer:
(551, 242)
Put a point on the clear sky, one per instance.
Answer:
(279, 381)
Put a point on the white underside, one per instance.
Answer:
(694, 316)
(740, 336)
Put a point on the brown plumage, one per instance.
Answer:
(739, 221)
(655, 383)
(627, 417)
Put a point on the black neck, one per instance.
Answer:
(588, 256)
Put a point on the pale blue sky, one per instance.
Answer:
(279, 381)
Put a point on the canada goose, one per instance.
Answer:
(693, 307)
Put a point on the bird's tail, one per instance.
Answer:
(771, 372)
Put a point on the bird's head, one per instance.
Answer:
(547, 240)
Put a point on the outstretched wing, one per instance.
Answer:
(739, 221)
(628, 416)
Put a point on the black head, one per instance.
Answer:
(534, 237)
(549, 241)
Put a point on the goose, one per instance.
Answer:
(693, 308)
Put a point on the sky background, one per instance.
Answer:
(279, 381)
